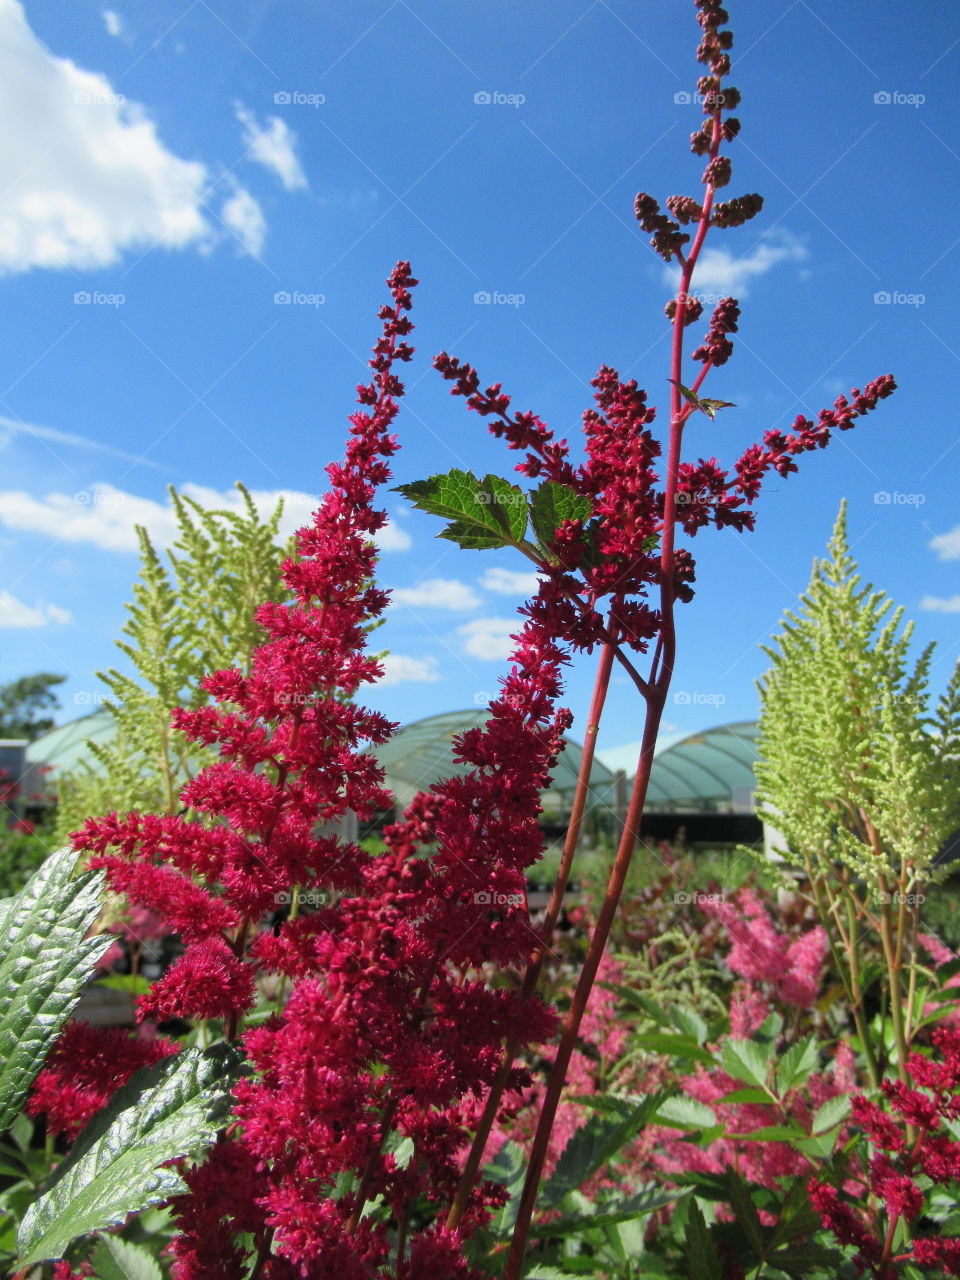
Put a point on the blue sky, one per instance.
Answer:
(179, 165)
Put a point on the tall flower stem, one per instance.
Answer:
(533, 970)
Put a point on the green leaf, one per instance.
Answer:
(797, 1064)
(676, 1046)
(770, 1133)
(592, 1145)
(686, 1113)
(508, 1167)
(619, 1209)
(797, 1260)
(746, 1060)
(551, 504)
(689, 1024)
(45, 959)
(709, 407)
(830, 1114)
(116, 1167)
(484, 513)
(131, 984)
(700, 1249)
(117, 1259)
(21, 1131)
(745, 1211)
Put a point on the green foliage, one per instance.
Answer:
(23, 702)
(120, 1163)
(177, 631)
(21, 853)
(117, 1259)
(485, 513)
(855, 764)
(45, 958)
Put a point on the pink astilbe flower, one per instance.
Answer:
(792, 968)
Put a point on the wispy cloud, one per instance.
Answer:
(243, 215)
(55, 436)
(14, 613)
(112, 21)
(400, 668)
(489, 638)
(721, 272)
(274, 147)
(941, 604)
(105, 516)
(947, 545)
(438, 593)
(510, 582)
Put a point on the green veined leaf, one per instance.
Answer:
(622, 1209)
(117, 1259)
(592, 1145)
(509, 1168)
(709, 407)
(676, 1046)
(745, 1211)
(484, 513)
(700, 1249)
(45, 959)
(551, 504)
(686, 1113)
(797, 1064)
(746, 1060)
(173, 1108)
(830, 1114)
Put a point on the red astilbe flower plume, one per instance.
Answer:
(927, 1105)
(88, 1064)
(392, 1029)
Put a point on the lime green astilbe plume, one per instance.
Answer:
(859, 765)
(859, 769)
(187, 618)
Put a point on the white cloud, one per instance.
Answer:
(11, 426)
(274, 147)
(510, 582)
(399, 668)
(104, 516)
(14, 613)
(112, 22)
(941, 604)
(84, 175)
(438, 593)
(243, 215)
(721, 272)
(947, 545)
(489, 638)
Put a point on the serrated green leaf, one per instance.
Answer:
(551, 504)
(709, 407)
(592, 1145)
(830, 1114)
(689, 1024)
(131, 984)
(797, 1259)
(746, 1060)
(508, 1167)
(21, 1131)
(699, 1247)
(116, 1167)
(685, 1113)
(45, 959)
(117, 1259)
(621, 1209)
(796, 1065)
(676, 1046)
(748, 1094)
(745, 1211)
(484, 513)
(770, 1133)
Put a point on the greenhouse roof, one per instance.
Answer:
(65, 747)
(422, 753)
(689, 770)
(715, 765)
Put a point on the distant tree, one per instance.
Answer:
(22, 703)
